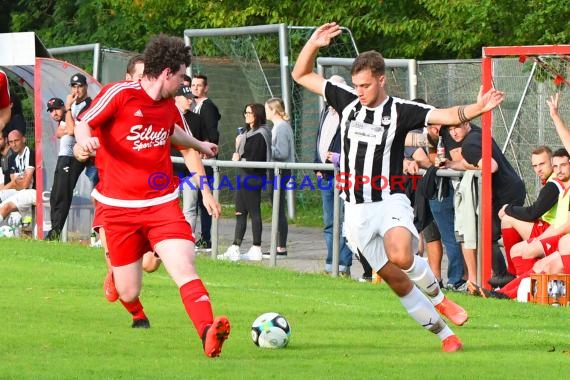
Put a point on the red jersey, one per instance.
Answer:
(134, 130)
(4, 90)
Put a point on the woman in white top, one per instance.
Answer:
(282, 150)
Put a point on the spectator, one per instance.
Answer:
(135, 68)
(67, 169)
(253, 145)
(210, 116)
(327, 150)
(76, 102)
(508, 188)
(19, 194)
(5, 153)
(5, 109)
(282, 150)
(526, 223)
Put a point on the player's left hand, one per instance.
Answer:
(490, 99)
(212, 206)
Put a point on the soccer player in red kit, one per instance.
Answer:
(5, 109)
(134, 124)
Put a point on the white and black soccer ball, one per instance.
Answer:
(271, 330)
(6, 231)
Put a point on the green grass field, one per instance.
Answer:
(56, 324)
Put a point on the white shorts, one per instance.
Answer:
(366, 223)
(23, 199)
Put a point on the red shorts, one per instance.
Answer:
(550, 244)
(538, 228)
(97, 220)
(131, 232)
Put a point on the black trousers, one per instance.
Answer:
(67, 172)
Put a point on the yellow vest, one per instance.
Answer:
(562, 208)
(550, 215)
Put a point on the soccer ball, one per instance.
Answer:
(271, 330)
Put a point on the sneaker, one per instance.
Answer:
(215, 335)
(53, 235)
(451, 344)
(232, 253)
(365, 279)
(109, 288)
(254, 254)
(203, 245)
(452, 311)
(345, 274)
(279, 255)
(460, 287)
(500, 281)
(141, 324)
(476, 290)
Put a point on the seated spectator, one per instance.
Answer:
(5, 153)
(526, 223)
(19, 193)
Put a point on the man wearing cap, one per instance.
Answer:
(67, 169)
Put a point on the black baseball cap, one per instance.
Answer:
(185, 91)
(78, 79)
(55, 103)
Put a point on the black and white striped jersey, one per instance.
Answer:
(373, 143)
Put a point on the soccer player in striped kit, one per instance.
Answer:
(378, 216)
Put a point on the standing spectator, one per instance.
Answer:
(327, 150)
(210, 116)
(253, 145)
(5, 109)
(67, 169)
(77, 101)
(378, 218)
(282, 150)
(508, 188)
(135, 68)
(131, 147)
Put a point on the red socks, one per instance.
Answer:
(135, 308)
(510, 238)
(197, 304)
(523, 265)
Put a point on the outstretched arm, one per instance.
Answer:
(561, 129)
(460, 114)
(303, 71)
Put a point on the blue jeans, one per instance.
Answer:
(327, 194)
(444, 216)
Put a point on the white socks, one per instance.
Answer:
(421, 274)
(423, 312)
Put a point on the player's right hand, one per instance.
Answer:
(91, 145)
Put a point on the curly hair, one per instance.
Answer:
(164, 52)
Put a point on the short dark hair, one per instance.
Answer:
(201, 76)
(369, 60)
(165, 52)
(542, 149)
(187, 78)
(137, 58)
(561, 153)
(258, 113)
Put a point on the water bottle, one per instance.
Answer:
(441, 152)
(93, 238)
